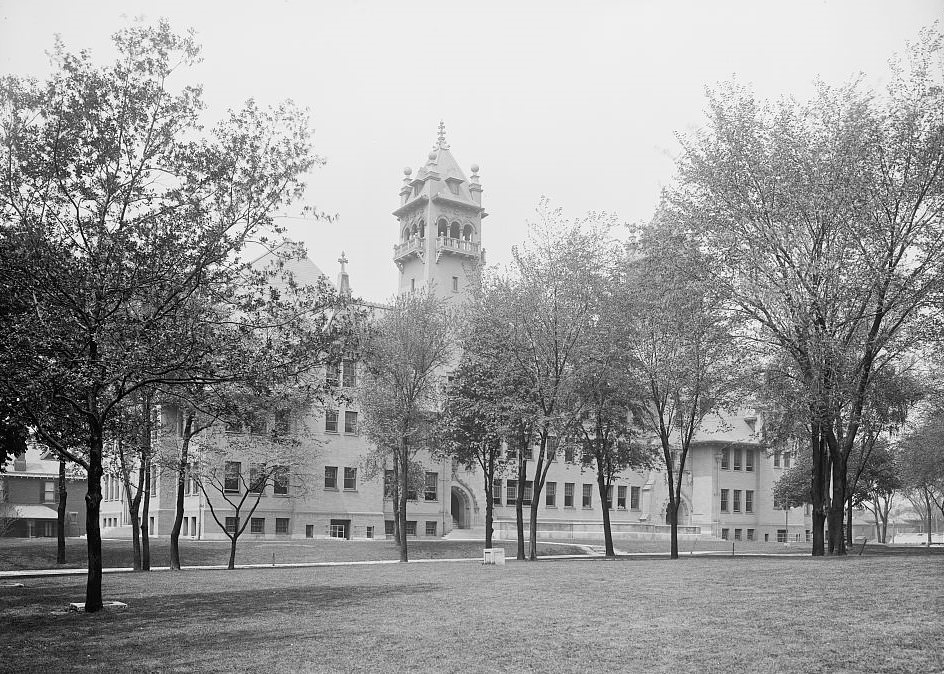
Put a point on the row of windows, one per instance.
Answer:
(550, 494)
(781, 535)
(748, 500)
(731, 459)
(260, 475)
(257, 525)
(331, 421)
(344, 373)
(331, 478)
(253, 424)
(432, 527)
(430, 487)
(443, 228)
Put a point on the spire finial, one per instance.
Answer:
(441, 138)
(343, 261)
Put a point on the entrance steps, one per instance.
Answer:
(472, 533)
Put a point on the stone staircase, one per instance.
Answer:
(473, 533)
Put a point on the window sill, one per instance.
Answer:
(327, 430)
(331, 489)
(550, 506)
(349, 490)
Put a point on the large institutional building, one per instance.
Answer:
(726, 488)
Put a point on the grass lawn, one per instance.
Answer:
(708, 614)
(40, 553)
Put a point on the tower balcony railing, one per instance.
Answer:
(446, 244)
(414, 245)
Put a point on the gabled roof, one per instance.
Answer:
(304, 271)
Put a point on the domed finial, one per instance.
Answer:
(475, 168)
(432, 155)
(441, 137)
(407, 171)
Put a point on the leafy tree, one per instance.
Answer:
(404, 351)
(475, 419)
(878, 485)
(921, 460)
(542, 309)
(823, 221)
(681, 342)
(117, 211)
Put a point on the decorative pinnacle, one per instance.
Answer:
(441, 137)
(343, 260)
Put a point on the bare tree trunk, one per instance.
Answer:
(818, 478)
(61, 515)
(145, 542)
(489, 501)
(93, 501)
(602, 486)
(837, 541)
(182, 464)
(231, 565)
(146, 460)
(404, 476)
(519, 505)
(397, 534)
(927, 502)
(849, 523)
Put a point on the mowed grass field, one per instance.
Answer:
(700, 614)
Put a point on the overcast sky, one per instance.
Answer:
(578, 101)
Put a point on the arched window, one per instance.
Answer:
(422, 229)
(454, 230)
(413, 231)
(442, 228)
(406, 234)
(467, 233)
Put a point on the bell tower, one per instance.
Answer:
(440, 224)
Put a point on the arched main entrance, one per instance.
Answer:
(460, 509)
(684, 514)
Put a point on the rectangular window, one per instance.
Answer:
(552, 445)
(455, 284)
(350, 422)
(350, 478)
(411, 528)
(528, 492)
(257, 425)
(781, 535)
(232, 523)
(737, 459)
(550, 495)
(529, 453)
(777, 459)
(725, 459)
(749, 501)
(786, 459)
(749, 460)
(331, 477)
(350, 373)
(634, 493)
(257, 478)
(431, 527)
(496, 492)
(370, 532)
(431, 492)
(568, 494)
(609, 497)
(511, 492)
(257, 525)
(737, 534)
(231, 478)
(333, 374)
(388, 527)
(724, 534)
(750, 534)
(280, 481)
(281, 525)
(737, 500)
(587, 501)
(283, 422)
(621, 497)
(337, 530)
(331, 421)
(388, 484)
(724, 500)
(49, 492)
(569, 454)
(154, 480)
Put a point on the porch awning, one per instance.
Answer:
(35, 512)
